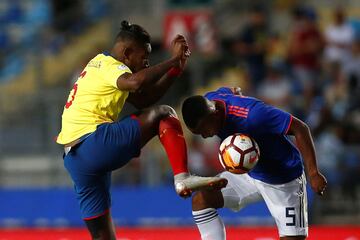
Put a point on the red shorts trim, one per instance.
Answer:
(133, 116)
(225, 107)
(99, 215)
(288, 127)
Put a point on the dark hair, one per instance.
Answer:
(194, 109)
(133, 32)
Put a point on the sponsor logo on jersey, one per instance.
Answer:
(94, 63)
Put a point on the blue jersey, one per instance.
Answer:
(280, 161)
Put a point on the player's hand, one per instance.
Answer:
(180, 50)
(318, 183)
(183, 61)
(236, 91)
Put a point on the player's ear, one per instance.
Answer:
(211, 106)
(127, 51)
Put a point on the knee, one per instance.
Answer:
(165, 111)
(199, 201)
(207, 199)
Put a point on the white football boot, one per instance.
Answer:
(186, 184)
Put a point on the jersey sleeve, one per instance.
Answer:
(114, 71)
(215, 94)
(266, 119)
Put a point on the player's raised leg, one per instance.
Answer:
(162, 121)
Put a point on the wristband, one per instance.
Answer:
(174, 72)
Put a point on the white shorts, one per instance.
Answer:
(286, 202)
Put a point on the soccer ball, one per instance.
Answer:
(239, 153)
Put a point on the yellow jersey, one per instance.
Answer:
(94, 99)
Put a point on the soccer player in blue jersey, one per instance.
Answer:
(278, 178)
(96, 141)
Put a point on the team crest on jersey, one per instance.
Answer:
(122, 67)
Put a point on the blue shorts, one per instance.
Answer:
(91, 161)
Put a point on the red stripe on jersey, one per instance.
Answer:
(288, 127)
(236, 110)
(239, 111)
(232, 107)
(238, 114)
(133, 116)
(223, 102)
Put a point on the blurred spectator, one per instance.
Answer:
(339, 37)
(351, 71)
(330, 151)
(336, 91)
(305, 47)
(205, 37)
(11, 15)
(276, 51)
(203, 156)
(251, 44)
(351, 172)
(276, 88)
(68, 16)
(197, 161)
(14, 12)
(4, 41)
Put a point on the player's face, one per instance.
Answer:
(139, 59)
(208, 126)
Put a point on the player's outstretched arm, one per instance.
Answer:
(138, 81)
(150, 84)
(306, 146)
(151, 93)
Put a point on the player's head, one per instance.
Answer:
(201, 116)
(132, 46)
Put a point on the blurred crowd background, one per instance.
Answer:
(301, 56)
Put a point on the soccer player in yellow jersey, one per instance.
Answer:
(96, 142)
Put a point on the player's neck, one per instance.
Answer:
(221, 108)
(116, 53)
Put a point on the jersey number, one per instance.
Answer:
(74, 90)
(290, 213)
